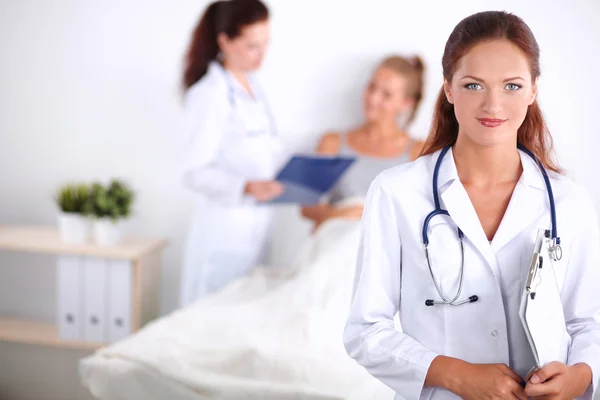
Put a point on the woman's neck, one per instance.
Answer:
(383, 130)
(239, 75)
(379, 140)
(486, 166)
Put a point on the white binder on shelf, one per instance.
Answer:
(120, 282)
(95, 285)
(69, 297)
(541, 309)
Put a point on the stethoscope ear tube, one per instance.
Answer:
(555, 249)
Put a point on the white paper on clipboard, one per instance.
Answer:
(541, 309)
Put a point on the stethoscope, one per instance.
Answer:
(555, 250)
(260, 96)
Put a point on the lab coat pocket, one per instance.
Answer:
(256, 132)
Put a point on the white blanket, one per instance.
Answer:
(275, 334)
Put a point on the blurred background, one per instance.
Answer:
(91, 90)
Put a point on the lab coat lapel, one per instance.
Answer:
(527, 203)
(457, 202)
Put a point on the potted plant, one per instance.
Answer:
(73, 223)
(110, 206)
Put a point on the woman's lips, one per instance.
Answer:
(491, 122)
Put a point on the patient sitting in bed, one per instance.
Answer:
(394, 92)
(277, 333)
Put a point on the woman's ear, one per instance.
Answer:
(534, 91)
(223, 42)
(448, 91)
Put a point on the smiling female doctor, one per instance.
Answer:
(233, 151)
(475, 348)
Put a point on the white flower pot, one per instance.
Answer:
(74, 228)
(107, 232)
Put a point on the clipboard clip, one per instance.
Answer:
(537, 260)
(533, 280)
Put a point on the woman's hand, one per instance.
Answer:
(475, 381)
(318, 213)
(559, 381)
(263, 190)
(490, 381)
(322, 212)
(350, 212)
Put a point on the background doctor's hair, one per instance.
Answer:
(412, 69)
(489, 25)
(224, 16)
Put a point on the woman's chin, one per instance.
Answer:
(371, 117)
(491, 139)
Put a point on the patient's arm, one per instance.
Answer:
(322, 212)
(329, 144)
(317, 213)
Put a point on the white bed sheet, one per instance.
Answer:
(116, 379)
(275, 334)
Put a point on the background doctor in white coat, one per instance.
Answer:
(497, 196)
(233, 150)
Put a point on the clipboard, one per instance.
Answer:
(307, 178)
(541, 312)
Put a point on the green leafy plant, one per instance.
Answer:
(74, 198)
(114, 201)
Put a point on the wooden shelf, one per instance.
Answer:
(30, 332)
(143, 256)
(47, 240)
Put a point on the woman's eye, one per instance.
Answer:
(473, 86)
(513, 86)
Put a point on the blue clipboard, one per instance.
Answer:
(307, 178)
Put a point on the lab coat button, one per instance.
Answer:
(495, 333)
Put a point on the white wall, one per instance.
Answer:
(91, 90)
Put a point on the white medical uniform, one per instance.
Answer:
(230, 140)
(392, 277)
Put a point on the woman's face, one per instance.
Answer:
(246, 52)
(491, 91)
(385, 96)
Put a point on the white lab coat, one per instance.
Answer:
(392, 277)
(230, 140)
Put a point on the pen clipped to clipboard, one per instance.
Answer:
(541, 311)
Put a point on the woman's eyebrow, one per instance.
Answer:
(481, 80)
